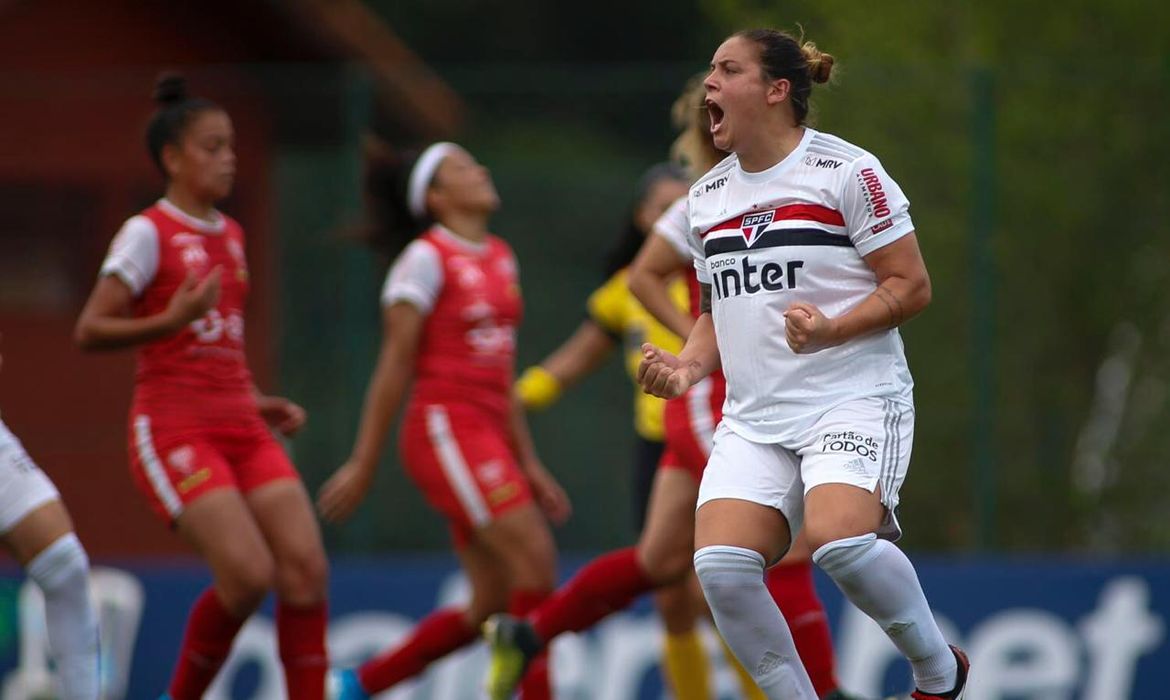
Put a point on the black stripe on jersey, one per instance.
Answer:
(776, 238)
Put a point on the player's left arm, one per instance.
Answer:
(281, 414)
(903, 291)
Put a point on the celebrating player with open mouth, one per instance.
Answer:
(809, 263)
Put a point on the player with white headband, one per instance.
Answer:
(808, 263)
(451, 309)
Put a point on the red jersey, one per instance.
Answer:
(470, 295)
(200, 371)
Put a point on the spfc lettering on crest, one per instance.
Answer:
(754, 224)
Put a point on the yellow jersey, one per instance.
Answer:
(619, 313)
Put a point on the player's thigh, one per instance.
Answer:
(285, 517)
(750, 497)
(521, 537)
(40, 528)
(31, 514)
(853, 469)
(489, 577)
(221, 528)
(665, 546)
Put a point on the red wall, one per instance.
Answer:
(75, 84)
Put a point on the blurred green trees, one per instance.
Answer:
(1065, 108)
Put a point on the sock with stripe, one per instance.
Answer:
(207, 641)
(878, 578)
(301, 639)
(792, 587)
(605, 585)
(747, 617)
(435, 636)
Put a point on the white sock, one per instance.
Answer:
(878, 578)
(751, 624)
(62, 572)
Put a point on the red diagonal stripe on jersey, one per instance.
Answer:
(790, 212)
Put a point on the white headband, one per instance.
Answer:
(421, 175)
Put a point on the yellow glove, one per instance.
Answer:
(537, 388)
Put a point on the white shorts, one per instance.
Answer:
(864, 442)
(23, 486)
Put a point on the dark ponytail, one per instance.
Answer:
(175, 111)
(389, 225)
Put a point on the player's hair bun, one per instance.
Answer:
(170, 89)
(820, 64)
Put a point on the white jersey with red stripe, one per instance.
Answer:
(797, 231)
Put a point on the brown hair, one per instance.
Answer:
(693, 149)
(784, 57)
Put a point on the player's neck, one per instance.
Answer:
(769, 148)
(471, 228)
(190, 204)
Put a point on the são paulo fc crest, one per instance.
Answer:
(754, 224)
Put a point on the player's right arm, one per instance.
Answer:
(650, 275)
(667, 376)
(106, 322)
(402, 325)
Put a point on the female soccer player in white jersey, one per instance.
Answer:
(808, 260)
(661, 560)
(451, 309)
(36, 529)
(691, 419)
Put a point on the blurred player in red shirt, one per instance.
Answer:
(451, 308)
(202, 451)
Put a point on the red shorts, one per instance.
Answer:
(690, 426)
(174, 463)
(461, 459)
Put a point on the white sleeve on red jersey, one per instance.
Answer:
(133, 255)
(674, 227)
(876, 211)
(415, 277)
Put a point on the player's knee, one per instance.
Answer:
(485, 602)
(302, 578)
(244, 587)
(840, 557)
(668, 567)
(727, 574)
(61, 565)
(534, 566)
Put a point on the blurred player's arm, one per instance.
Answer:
(541, 385)
(649, 281)
(665, 375)
(107, 322)
(402, 325)
(902, 293)
(548, 492)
